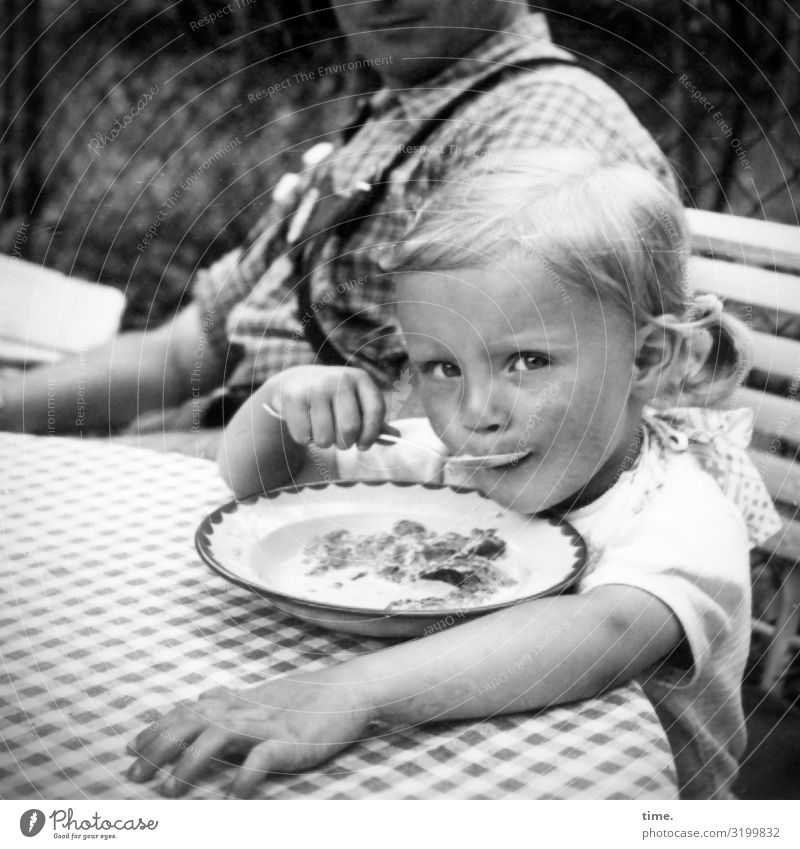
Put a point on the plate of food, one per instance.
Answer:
(388, 559)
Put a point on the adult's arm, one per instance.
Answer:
(108, 386)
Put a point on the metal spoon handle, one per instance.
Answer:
(391, 439)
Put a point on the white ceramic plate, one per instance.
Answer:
(258, 543)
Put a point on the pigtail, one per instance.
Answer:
(713, 378)
(712, 354)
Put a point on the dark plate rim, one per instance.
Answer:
(204, 532)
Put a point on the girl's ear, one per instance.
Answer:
(660, 360)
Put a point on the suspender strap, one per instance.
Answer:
(489, 80)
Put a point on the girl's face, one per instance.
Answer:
(509, 359)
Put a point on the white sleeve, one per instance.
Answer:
(689, 548)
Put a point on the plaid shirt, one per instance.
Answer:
(249, 296)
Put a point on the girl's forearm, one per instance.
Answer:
(257, 452)
(530, 656)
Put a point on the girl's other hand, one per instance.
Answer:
(327, 405)
(285, 725)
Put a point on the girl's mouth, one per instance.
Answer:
(487, 461)
(508, 461)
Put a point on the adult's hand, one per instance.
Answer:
(104, 389)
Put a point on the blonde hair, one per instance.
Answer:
(613, 227)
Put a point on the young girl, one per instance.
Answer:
(546, 314)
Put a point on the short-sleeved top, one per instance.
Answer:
(678, 525)
(248, 296)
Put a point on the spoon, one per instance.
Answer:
(457, 459)
(468, 460)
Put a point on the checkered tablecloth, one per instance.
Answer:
(108, 616)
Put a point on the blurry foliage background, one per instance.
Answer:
(70, 68)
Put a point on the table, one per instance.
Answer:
(108, 616)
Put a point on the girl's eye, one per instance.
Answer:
(443, 369)
(526, 361)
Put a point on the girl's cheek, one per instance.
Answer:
(439, 401)
(438, 415)
(548, 406)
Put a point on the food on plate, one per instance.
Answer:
(458, 569)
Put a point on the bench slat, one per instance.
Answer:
(757, 247)
(775, 416)
(776, 355)
(748, 284)
(780, 475)
(786, 543)
(745, 239)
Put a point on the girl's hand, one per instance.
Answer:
(327, 405)
(285, 725)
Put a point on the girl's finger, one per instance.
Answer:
(197, 755)
(295, 412)
(323, 432)
(258, 764)
(143, 739)
(373, 411)
(218, 692)
(347, 416)
(166, 743)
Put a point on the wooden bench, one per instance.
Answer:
(45, 315)
(757, 265)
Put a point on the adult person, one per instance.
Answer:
(246, 319)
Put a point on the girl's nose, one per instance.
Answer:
(482, 409)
